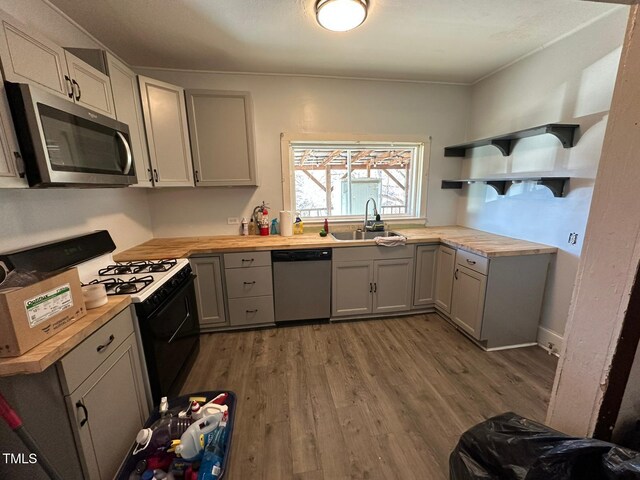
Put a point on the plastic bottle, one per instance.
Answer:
(298, 226)
(211, 466)
(326, 225)
(194, 439)
(164, 406)
(274, 227)
(245, 226)
(159, 436)
(210, 408)
(252, 227)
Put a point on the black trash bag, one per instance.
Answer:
(510, 447)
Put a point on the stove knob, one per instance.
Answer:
(174, 282)
(156, 299)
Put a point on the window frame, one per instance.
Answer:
(420, 171)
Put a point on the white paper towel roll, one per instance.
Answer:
(286, 223)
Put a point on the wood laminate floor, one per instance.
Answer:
(377, 399)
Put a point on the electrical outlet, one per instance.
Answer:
(233, 221)
(573, 238)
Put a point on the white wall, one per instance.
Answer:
(571, 81)
(33, 216)
(313, 105)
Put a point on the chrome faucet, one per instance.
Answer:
(365, 225)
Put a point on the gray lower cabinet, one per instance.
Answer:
(93, 398)
(498, 301)
(249, 284)
(209, 291)
(368, 280)
(425, 280)
(469, 288)
(445, 266)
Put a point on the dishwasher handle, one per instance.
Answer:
(301, 255)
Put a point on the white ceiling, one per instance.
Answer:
(432, 40)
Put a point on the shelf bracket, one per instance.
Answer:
(499, 186)
(503, 145)
(566, 134)
(556, 185)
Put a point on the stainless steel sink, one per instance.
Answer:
(359, 235)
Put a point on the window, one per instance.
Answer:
(334, 180)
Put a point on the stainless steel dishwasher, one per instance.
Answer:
(301, 284)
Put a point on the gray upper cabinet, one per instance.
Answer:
(11, 166)
(222, 138)
(128, 109)
(28, 57)
(425, 280)
(445, 265)
(165, 120)
(91, 88)
(209, 294)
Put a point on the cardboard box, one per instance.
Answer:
(30, 315)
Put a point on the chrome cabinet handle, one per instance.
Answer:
(79, 404)
(471, 262)
(155, 174)
(250, 283)
(252, 311)
(103, 347)
(69, 86)
(79, 94)
(455, 274)
(127, 148)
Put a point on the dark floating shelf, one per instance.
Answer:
(502, 185)
(565, 132)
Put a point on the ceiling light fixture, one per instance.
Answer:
(341, 15)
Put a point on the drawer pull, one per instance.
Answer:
(250, 283)
(103, 347)
(247, 260)
(455, 274)
(252, 311)
(79, 404)
(471, 262)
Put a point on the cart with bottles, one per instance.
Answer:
(187, 437)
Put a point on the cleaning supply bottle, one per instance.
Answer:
(194, 438)
(211, 466)
(164, 406)
(274, 227)
(298, 225)
(252, 227)
(245, 227)
(158, 437)
(210, 408)
(326, 225)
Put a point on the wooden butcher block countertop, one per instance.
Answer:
(42, 356)
(476, 241)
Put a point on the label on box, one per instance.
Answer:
(49, 304)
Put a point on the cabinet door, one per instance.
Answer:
(108, 410)
(467, 305)
(392, 285)
(445, 265)
(425, 280)
(28, 57)
(165, 121)
(11, 166)
(209, 296)
(128, 109)
(351, 288)
(91, 87)
(222, 144)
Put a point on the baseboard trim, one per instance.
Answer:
(550, 340)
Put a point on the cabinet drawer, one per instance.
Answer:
(247, 259)
(251, 310)
(249, 282)
(473, 261)
(80, 362)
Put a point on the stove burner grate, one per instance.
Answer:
(144, 266)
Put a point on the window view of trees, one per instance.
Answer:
(334, 182)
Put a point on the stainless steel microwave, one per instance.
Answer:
(67, 145)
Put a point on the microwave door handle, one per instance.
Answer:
(128, 149)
